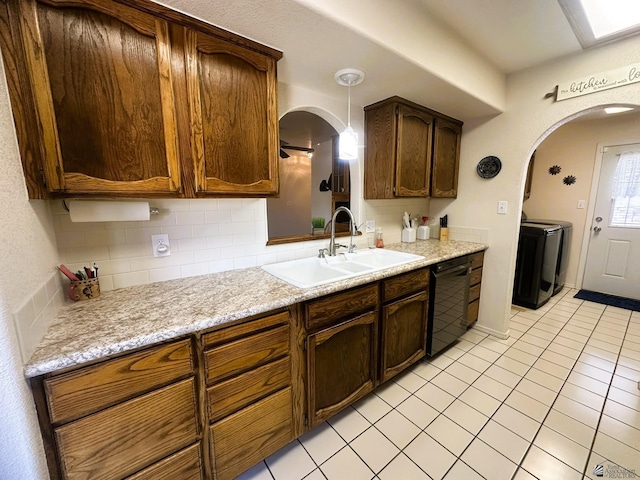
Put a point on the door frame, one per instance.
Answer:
(593, 193)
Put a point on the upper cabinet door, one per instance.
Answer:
(446, 159)
(234, 120)
(100, 74)
(413, 154)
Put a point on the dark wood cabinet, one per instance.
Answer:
(403, 337)
(118, 100)
(342, 350)
(529, 180)
(411, 151)
(475, 282)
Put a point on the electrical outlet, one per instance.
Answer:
(502, 207)
(582, 203)
(161, 245)
(370, 226)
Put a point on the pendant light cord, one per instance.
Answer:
(349, 106)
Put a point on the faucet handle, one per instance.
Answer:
(321, 252)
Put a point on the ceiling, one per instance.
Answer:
(317, 40)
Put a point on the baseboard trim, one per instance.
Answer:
(491, 331)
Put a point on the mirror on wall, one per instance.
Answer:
(313, 182)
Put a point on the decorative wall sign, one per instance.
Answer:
(599, 81)
(569, 180)
(489, 167)
(556, 169)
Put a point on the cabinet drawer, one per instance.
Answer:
(245, 354)
(121, 440)
(475, 277)
(328, 310)
(184, 465)
(477, 259)
(474, 293)
(87, 390)
(404, 284)
(252, 434)
(472, 312)
(242, 330)
(236, 393)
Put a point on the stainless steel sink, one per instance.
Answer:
(311, 272)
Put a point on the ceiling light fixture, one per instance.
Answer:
(348, 143)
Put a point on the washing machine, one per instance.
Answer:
(563, 251)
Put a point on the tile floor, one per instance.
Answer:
(556, 400)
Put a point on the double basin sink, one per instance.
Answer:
(314, 271)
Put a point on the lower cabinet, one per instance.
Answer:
(475, 283)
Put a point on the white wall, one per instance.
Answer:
(26, 264)
(513, 136)
(574, 147)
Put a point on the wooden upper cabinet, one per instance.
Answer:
(446, 159)
(411, 151)
(233, 116)
(100, 73)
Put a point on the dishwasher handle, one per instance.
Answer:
(452, 271)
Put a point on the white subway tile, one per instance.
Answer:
(190, 218)
(131, 279)
(244, 239)
(254, 203)
(106, 237)
(64, 223)
(220, 241)
(208, 255)
(147, 263)
(244, 215)
(26, 314)
(230, 204)
(40, 298)
(221, 265)
(124, 225)
(208, 230)
(223, 216)
(178, 231)
(106, 283)
(203, 204)
(242, 250)
(163, 219)
(266, 258)
(190, 244)
(244, 262)
(128, 250)
(90, 253)
(54, 284)
(194, 270)
(109, 267)
(71, 239)
(163, 274)
(169, 205)
(286, 256)
(240, 227)
(140, 235)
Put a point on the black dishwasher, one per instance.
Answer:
(448, 303)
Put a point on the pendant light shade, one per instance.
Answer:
(348, 142)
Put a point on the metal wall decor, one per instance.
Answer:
(489, 167)
(569, 180)
(556, 169)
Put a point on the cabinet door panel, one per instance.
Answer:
(446, 159)
(123, 439)
(404, 334)
(184, 465)
(341, 363)
(413, 167)
(233, 117)
(252, 434)
(101, 77)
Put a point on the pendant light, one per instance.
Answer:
(348, 142)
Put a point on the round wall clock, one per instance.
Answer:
(489, 167)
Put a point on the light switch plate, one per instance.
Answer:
(582, 203)
(161, 245)
(502, 207)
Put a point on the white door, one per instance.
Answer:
(613, 256)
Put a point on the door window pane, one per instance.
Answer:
(625, 195)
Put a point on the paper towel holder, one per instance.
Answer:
(152, 210)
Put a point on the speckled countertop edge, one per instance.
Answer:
(130, 318)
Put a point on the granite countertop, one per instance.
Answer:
(129, 318)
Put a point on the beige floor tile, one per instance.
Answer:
(552, 368)
(492, 387)
(480, 401)
(372, 407)
(488, 462)
(583, 396)
(527, 405)
(596, 352)
(425, 370)
(520, 356)
(495, 344)
(315, 475)
(467, 417)
(558, 359)
(441, 362)
(375, 449)
(392, 393)
(545, 466)
(542, 332)
(291, 462)
(502, 375)
(628, 373)
(512, 365)
(621, 431)
(462, 471)
(534, 340)
(623, 413)
(402, 467)
(522, 474)
(561, 447)
(622, 383)
(484, 353)
(474, 336)
(430, 456)
(564, 351)
(577, 411)
(453, 353)
(397, 428)
(537, 392)
(594, 361)
(449, 434)
(517, 422)
(258, 472)
(476, 363)
(593, 372)
(434, 396)
(529, 348)
(449, 383)
(618, 452)
(349, 423)
(417, 411)
(463, 372)
(567, 342)
(346, 460)
(570, 428)
(410, 381)
(591, 384)
(504, 441)
(544, 379)
(322, 442)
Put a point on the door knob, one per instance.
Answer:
(598, 219)
(597, 229)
